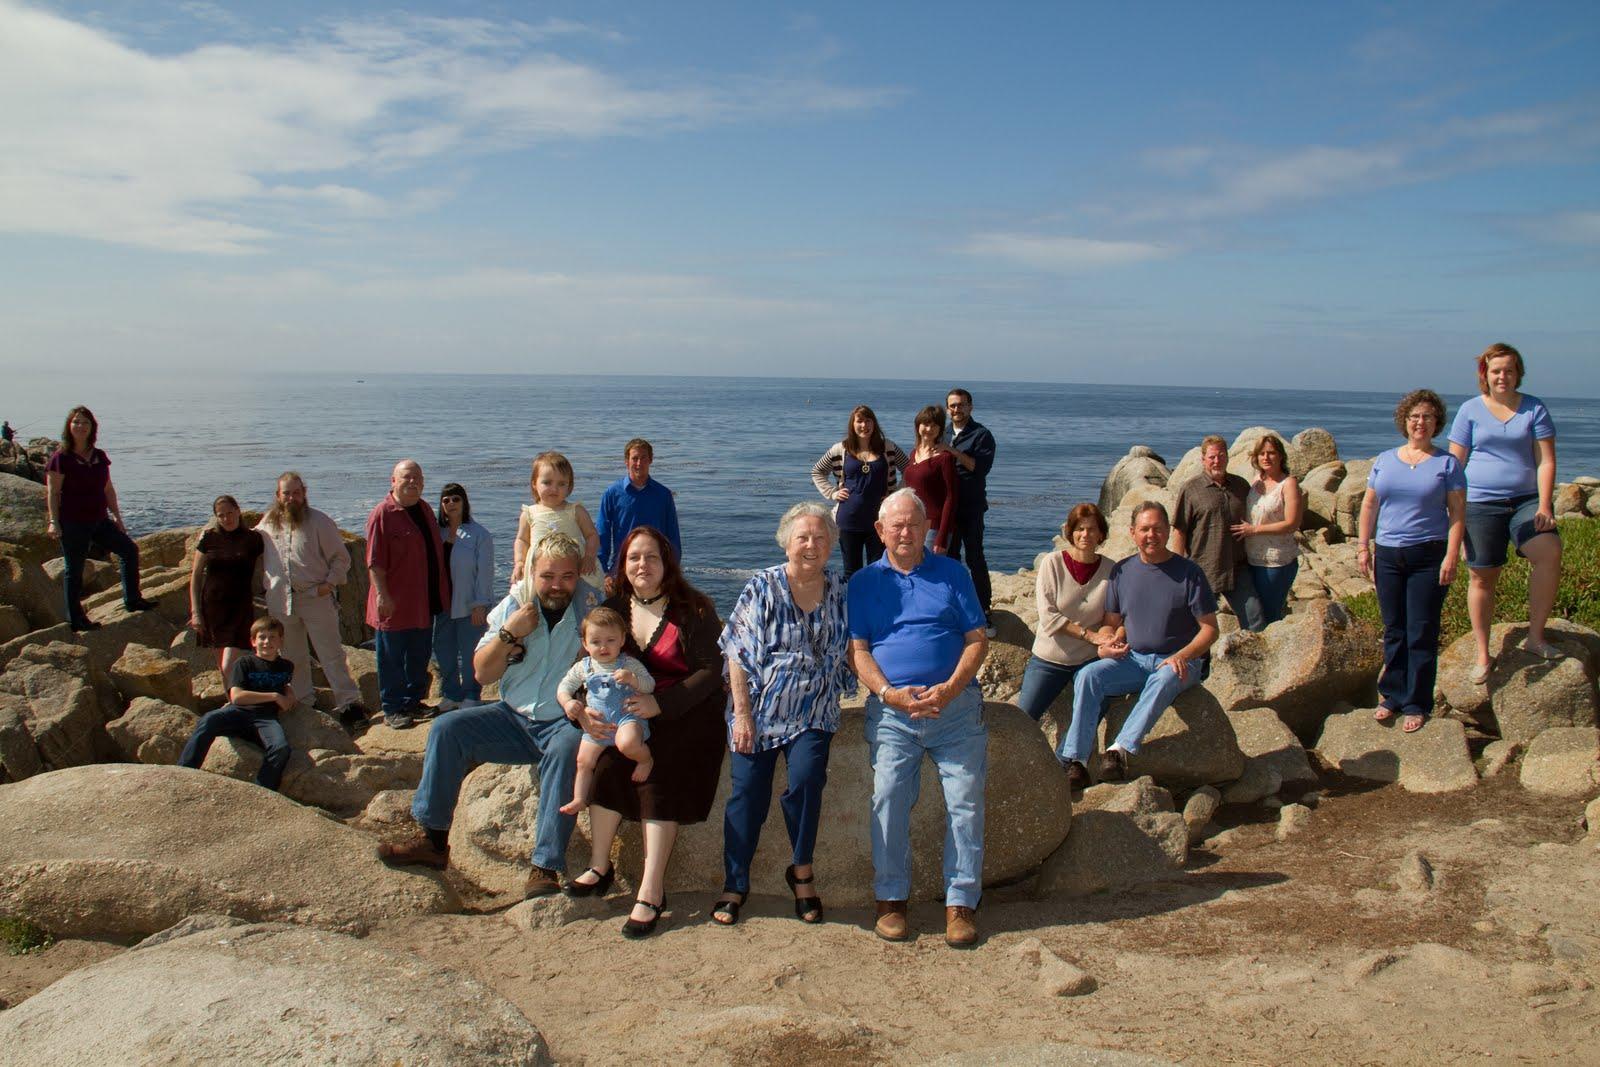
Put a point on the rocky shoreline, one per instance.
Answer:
(101, 838)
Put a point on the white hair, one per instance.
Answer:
(807, 509)
(899, 496)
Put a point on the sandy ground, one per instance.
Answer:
(1267, 952)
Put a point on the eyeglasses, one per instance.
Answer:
(1426, 417)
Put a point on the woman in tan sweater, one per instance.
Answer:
(1071, 592)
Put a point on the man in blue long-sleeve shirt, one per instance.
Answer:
(636, 500)
(973, 445)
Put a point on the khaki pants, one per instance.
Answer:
(317, 617)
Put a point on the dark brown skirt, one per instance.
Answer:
(688, 754)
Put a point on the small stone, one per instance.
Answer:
(1531, 980)
(1271, 803)
(558, 909)
(1416, 875)
(1483, 926)
(1056, 976)
(1292, 820)
(1198, 810)
(1311, 799)
(1497, 755)
(1370, 966)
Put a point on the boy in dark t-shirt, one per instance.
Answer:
(258, 689)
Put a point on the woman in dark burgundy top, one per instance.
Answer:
(81, 504)
(932, 473)
(222, 583)
(673, 631)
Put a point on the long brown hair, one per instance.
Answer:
(673, 583)
(852, 443)
(67, 443)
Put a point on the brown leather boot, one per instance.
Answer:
(541, 883)
(892, 925)
(414, 852)
(960, 926)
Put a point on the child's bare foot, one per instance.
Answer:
(576, 806)
(642, 770)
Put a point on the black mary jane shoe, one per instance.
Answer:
(726, 912)
(806, 909)
(598, 888)
(634, 930)
(142, 604)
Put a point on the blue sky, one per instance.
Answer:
(1272, 195)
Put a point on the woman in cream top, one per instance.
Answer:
(1071, 593)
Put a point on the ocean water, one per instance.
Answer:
(735, 451)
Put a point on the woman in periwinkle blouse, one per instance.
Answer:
(1507, 443)
(1415, 508)
(469, 558)
(785, 644)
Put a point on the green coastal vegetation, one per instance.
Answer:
(1577, 599)
(22, 937)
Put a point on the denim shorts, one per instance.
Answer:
(1492, 525)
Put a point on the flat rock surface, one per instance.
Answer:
(1435, 759)
(267, 994)
(1563, 761)
(121, 849)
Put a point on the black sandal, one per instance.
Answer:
(633, 929)
(726, 912)
(804, 906)
(598, 888)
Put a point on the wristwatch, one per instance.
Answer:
(881, 692)
(506, 636)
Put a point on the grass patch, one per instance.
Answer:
(1577, 598)
(22, 937)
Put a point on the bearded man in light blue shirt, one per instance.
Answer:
(533, 638)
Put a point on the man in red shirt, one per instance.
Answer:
(410, 585)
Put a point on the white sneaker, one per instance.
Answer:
(445, 705)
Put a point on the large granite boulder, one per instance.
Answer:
(1027, 811)
(1563, 761)
(26, 587)
(152, 731)
(19, 754)
(65, 703)
(1139, 469)
(22, 515)
(1299, 667)
(1314, 447)
(267, 993)
(116, 850)
(1274, 757)
(1435, 759)
(1121, 835)
(1347, 499)
(1525, 694)
(145, 672)
(1192, 744)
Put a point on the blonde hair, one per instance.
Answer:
(556, 462)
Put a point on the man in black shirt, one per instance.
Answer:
(973, 445)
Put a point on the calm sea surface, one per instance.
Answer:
(736, 451)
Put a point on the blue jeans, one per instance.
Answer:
(402, 667)
(958, 741)
(1245, 600)
(750, 798)
(1410, 599)
(1042, 682)
(257, 724)
(454, 642)
(76, 540)
(1272, 585)
(498, 733)
(1137, 672)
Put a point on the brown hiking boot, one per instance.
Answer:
(960, 926)
(1113, 765)
(891, 925)
(1077, 775)
(415, 852)
(541, 883)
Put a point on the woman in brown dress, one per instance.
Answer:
(673, 629)
(222, 583)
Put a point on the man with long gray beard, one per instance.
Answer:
(304, 562)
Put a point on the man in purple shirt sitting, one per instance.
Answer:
(916, 642)
(1168, 617)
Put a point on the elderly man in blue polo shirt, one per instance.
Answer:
(532, 640)
(916, 642)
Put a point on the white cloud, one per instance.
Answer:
(101, 140)
(1565, 227)
(1063, 253)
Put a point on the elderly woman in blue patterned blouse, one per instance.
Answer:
(787, 669)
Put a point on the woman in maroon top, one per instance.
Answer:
(82, 511)
(932, 473)
(223, 578)
(673, 630)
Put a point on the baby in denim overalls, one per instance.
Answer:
(608, 678)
